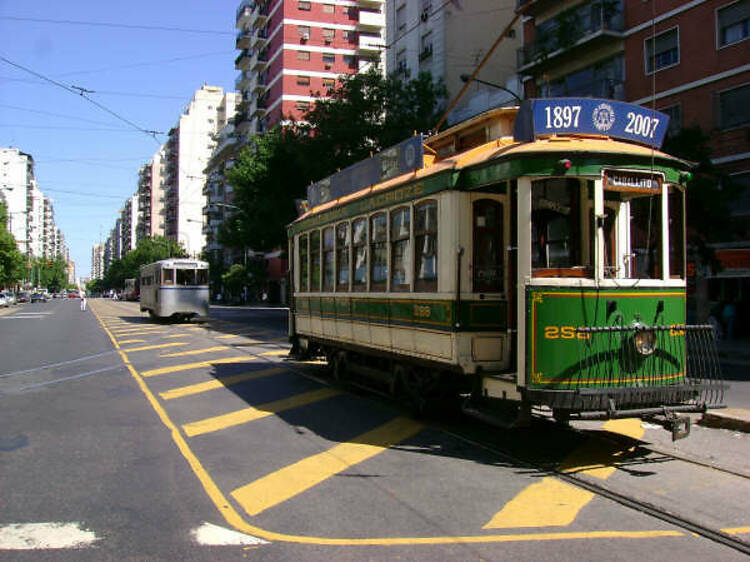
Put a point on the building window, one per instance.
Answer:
(426, 48)
(303, 55)
(329, 58)
(303, 80)
(303, 5)
(329, 83)
(328, 34)
(348, 35)
(675, 118)
(302, 105)
(734, 107)
(733, 22)
(401, 18)
(328, 266)
(425, 242)
(303, 31)
(378, 252)
(342, 257)
(662, 51)
(602, 80)
(329, 9)
(359, 251)
(350, 61)
(400, 234)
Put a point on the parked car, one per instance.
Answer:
(3, 301)
(22, 297)
(73, 295)
(38, 297)
(10, 296)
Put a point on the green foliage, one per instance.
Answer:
(235, 279)
(365, 114)
(147, 251)
(12, 262)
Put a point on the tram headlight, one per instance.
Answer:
(644, 341)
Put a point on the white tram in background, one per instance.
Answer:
(175, 288)
(530, 257)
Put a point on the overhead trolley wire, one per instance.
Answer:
(82, 92)
(120, 25)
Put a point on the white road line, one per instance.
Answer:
(73, 377)
(40, 536)
(209, 534)
(51, 365)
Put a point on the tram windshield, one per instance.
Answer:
(192, 277)
(564, 230)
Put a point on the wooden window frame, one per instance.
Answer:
(341, 251)
(360, 287)
(397, 241)
(425, 285)
(379, 285)
(328, 253)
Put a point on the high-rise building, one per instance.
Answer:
(17, 169)
(448, 39)
(97, 261)
(151, 197)
(292, 52)
(129, 218)
(187, 153)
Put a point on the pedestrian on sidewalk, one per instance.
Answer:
(83, 301)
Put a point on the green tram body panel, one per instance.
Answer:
(432, 314)
(554, 358)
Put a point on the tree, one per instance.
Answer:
(147, 251)
(365, 114)
(12, 262)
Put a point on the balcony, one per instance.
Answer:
(242, 81)
(244, 39)
(371, 20)
(535, 7)
(244, 13)
(260, 38)
(242, 62)
(584, 28)
(259, 85)
(260, 61)
(370, 44)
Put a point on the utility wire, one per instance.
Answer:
(82, 92)
(120, 25)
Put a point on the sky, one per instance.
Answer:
(143, 61)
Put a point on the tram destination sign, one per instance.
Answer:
(589, 116)
(404, 157)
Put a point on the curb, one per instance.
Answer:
(735, 419)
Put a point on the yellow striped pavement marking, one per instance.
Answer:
(736, 530)
(155, 346)
(196, 365)
(294, 479)
(177, 336)
(275, 352)
(218, 383)
(195, 351)
(227, 336)
(553, 503)
(138, 331)
(132, 341)
(246, 415)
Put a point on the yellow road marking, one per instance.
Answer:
(176, 336)
(548, 503)
(196, 351)
(132, 341)
(197, 365)
(553, 503)
(155, 346)
(246, 415)
(139, 332)
(219, 383)
(275, 352)
(234, 519)
(227, 336)
(294, 479)
(736, 530)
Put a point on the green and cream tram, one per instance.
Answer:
(530, 257)
(174, 288)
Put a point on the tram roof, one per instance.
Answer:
(505, 148)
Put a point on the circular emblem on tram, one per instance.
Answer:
(603, 117)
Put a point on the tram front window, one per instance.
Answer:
(556, 234)
(642, 262)
(186, 277)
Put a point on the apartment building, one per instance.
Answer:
(97, 261)
(450, 39)
(48, 234)
(293, 51)
(129, 219)
(187, 153)
(151, 197)
(17, 169)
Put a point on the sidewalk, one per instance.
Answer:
(734, 354)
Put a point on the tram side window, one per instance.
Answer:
(167, 276)
(645, 238)
(425, 241)
(676, 233)
(378, 252)
(609, 227)
(556, 229)
(342, 257)
(186, 277)
(315, 261)
(328, 253)
(400, 238)
(359, 251)
(303, 265)
(488, 246)
(201, 277)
